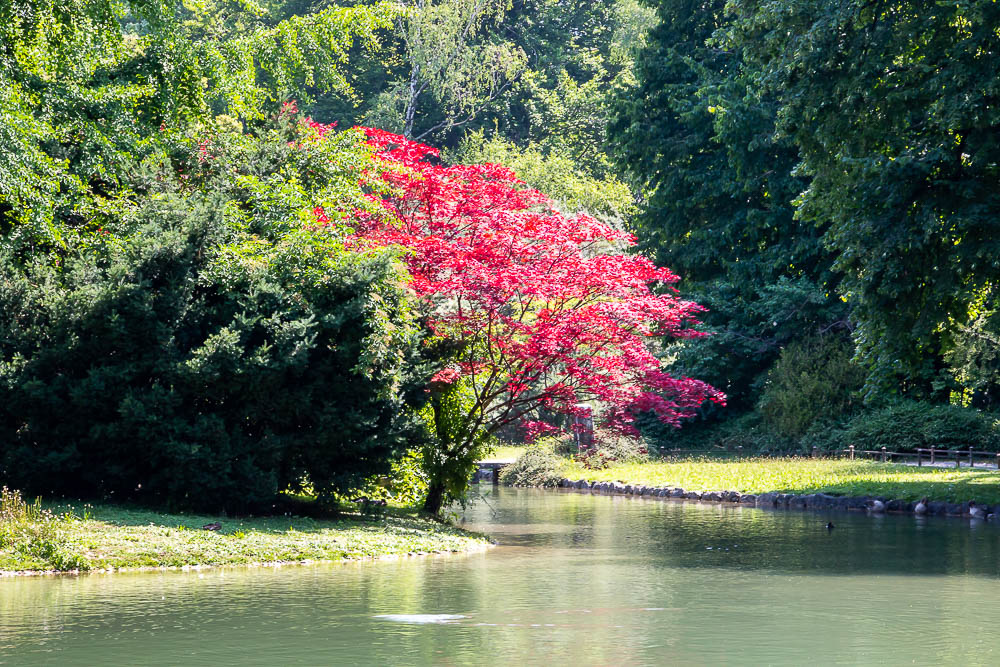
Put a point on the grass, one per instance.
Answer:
(798, 475)
(505, 453)
(102, 537)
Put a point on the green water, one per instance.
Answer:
(576, 580)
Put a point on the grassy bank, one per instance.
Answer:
(793, 475)
(102, 537)
(504, 453)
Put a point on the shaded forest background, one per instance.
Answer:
(824, 176)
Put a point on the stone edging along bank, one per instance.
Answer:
(818, 501)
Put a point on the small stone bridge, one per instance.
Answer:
(489, 470)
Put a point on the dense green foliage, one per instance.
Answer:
(177, 329)
(823, 167)
(89, 90)
(699, 139)
(210, 351)
(974, 358)
(814, 379)
(538, 465)
(893, 109)
(912, 424)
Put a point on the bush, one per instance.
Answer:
(212, 345)
(178, 382)
(826, 435)
(612, 447)
(537, 466)
(757, 441)
(33, 532)
(405, 484)
(813, 379)
(908, 425)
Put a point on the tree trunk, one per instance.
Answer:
(435, 498)
(411, 103)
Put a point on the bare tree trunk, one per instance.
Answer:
(411, 102)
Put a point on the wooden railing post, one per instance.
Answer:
(851, 448)
(971, 464)
(932, 454)
(883, 455)
(998, 460)
(958, 459)
(920, 458)
(815, 451)
(739, 451)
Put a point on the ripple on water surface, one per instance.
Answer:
(577, 578)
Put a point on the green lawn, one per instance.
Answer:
(796, 475)
(105, 536)
(505, 453)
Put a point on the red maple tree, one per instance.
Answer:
(544, 310)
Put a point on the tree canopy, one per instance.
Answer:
(538, 308)
(846, 149)
(697, 137)
(893, 107)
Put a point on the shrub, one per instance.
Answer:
(747, 431)
(32, 531)
(826, 435)
(612, 447)
(812, 379)
(537, 466)
(911, 424)
(184, 383)
(757, 440)
(405, 484)
(211, 347)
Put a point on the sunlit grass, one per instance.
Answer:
(800, 475)
(504, 453)
(106, 536)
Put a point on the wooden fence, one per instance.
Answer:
(929, 456)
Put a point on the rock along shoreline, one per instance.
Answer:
(774, 500)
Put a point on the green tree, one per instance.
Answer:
(697, 139)
(974, 356)
(167, 286)
(893, 108)
(211, 345)
(814, 380)
(88, 90)
(457, 64)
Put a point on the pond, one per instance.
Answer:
(577, 579)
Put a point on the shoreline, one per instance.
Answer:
(778, 500)
(275, 565)
(78, 539)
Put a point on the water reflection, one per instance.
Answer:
(591, 580)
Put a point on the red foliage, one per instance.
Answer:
(548, 309)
